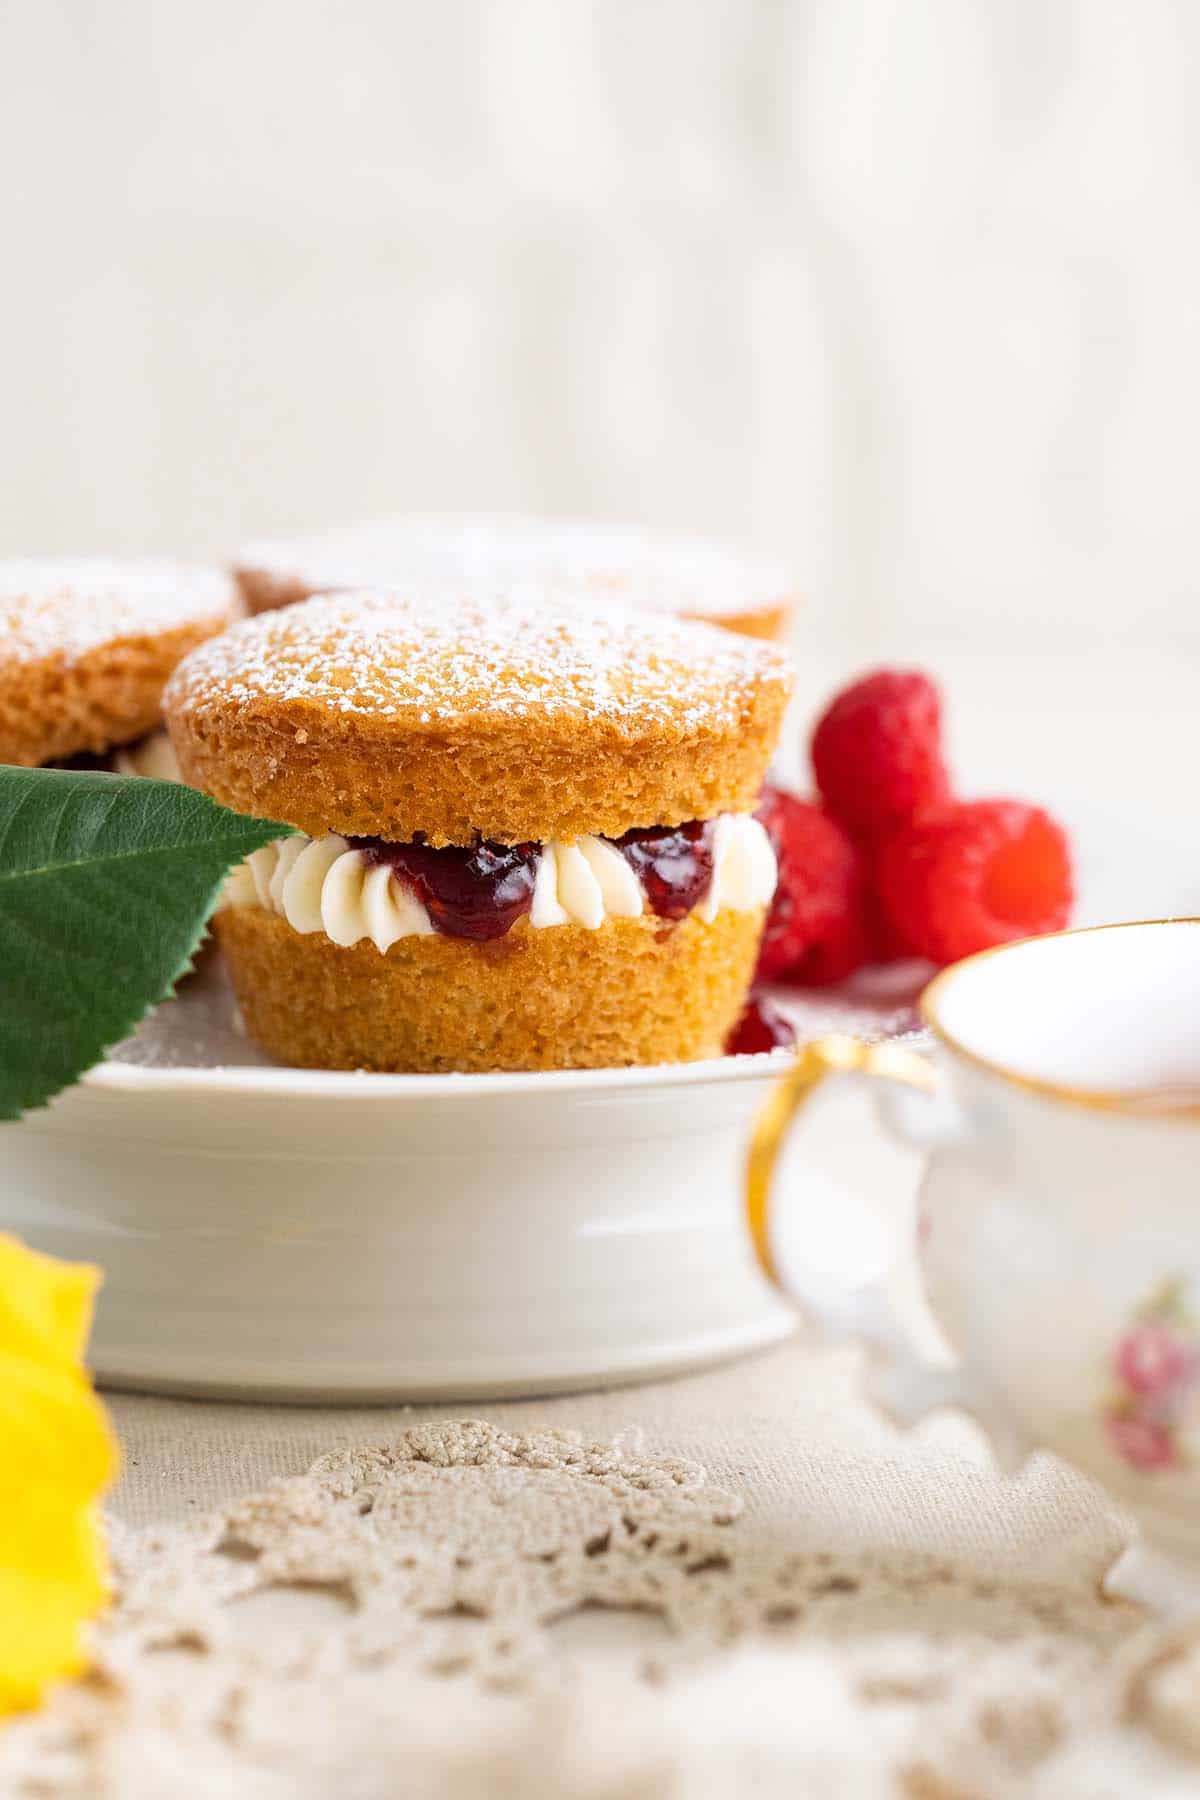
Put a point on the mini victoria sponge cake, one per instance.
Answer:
(86, 648)
(524, 832)
(690, 577)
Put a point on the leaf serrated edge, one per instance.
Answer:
(245, 835)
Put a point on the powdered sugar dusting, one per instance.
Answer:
(443, 658)
(652, 569)
(72, 606)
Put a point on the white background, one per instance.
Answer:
(905, 291)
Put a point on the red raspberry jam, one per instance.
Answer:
(479, 892)
(761, 1027)
(673, 863)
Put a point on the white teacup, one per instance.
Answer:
(1060, 1215)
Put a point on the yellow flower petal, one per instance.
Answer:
(52, 1430)
(45, 1305)
(52, 1637)
(57, 1453)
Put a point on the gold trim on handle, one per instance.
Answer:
(834, 1055)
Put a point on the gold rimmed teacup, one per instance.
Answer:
(1059, 1211)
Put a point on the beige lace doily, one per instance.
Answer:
(438, 1616)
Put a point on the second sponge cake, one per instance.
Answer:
(658, 571)
(525, 834)
(86, 646)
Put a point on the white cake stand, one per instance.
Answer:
(271, 1232)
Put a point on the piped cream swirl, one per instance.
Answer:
(152, 756)
(325, 884)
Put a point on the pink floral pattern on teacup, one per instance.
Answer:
(1152, 1416)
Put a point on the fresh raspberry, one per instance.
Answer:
(977, 873)
(877, 752)
(761, 1027)
(816, 930)
(887, 946)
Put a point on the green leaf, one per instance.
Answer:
(106, 883)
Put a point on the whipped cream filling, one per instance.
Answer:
(325, 884)
(151, 756)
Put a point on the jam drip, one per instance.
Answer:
(674, 864)
(479, 892)
(761, 1027)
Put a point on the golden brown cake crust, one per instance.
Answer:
(86, 649)
(263, 591)
(767, 622)
(518, 718)
(633, 991)
(690, 577)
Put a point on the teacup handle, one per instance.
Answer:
(910, 1384)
